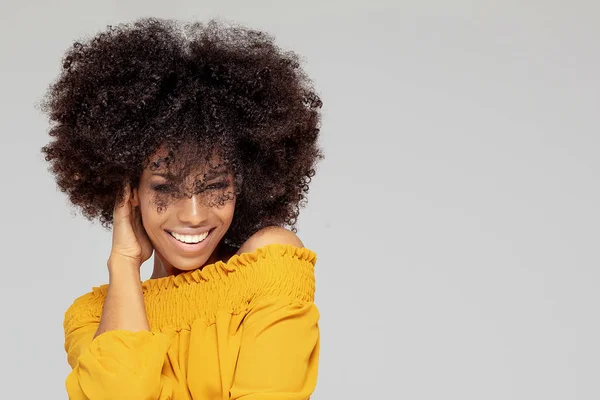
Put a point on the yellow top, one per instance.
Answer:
(246, 329)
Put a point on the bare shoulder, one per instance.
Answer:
(270, 235)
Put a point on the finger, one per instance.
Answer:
(122, 209)
(136, 220)
(138, 226)
(126, 197)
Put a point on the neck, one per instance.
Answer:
(158, 271)
(162, 268)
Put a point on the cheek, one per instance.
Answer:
(150, 213)
(226, 212)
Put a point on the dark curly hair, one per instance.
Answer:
(138, 87)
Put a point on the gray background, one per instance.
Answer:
(455, 218)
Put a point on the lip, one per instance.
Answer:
(190, 248)
(189, 232)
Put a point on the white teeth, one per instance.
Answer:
(190, 239)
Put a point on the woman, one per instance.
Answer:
(197, 144)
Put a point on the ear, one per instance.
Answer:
(135, 198)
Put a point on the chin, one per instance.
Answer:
(187, 264)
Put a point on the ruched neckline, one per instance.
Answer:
(272, 270)
(217, 269)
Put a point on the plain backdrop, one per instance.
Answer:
(455, 217)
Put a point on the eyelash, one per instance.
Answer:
(212, 186)
(162, 188)
(218, 185)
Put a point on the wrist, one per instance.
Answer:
(117, 263)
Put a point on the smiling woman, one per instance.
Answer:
(187, 233)
(196, 143)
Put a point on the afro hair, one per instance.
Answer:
(138, 87)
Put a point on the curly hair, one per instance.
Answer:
(154, 83)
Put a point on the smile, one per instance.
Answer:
(190, 239)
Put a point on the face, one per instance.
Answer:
(185, 220)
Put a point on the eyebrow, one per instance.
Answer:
(215, 174)
(208, 176)
(167, 175)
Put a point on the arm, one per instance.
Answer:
(279, 349)
(279, 352)
(124, 305)
(118, 357)
(123, 359)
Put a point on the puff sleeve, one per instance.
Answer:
(279, 352)
(117, 364)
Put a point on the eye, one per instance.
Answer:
(217, 185)
(162, 188)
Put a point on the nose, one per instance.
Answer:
(191, 211)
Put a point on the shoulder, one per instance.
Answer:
(277, 265)
(270, 235)
(84, 310)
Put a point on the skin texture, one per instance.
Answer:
(189, 214)
(139, 228)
